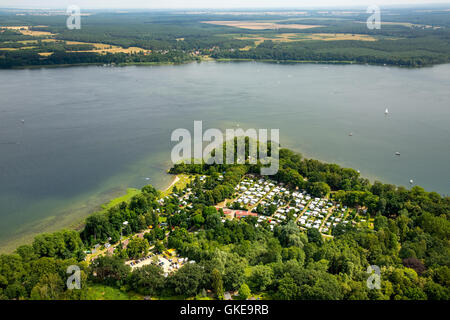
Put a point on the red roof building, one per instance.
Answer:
(241, 214)
(238, 213)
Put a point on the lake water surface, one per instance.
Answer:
(91, 132)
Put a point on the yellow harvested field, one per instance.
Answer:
(98, 47)
(15, 28)
(260, 25)
(14, 49)
(246, 48)
(404, 24)
(36, 41)
(340, 36)
(35, 33)
(25, 30)
(45, 54)
(27, 41)
(105, 48)
(290, 37)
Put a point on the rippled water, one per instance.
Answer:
(90, 132)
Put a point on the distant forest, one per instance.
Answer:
(407, 38)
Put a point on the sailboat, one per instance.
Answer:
(386, 112)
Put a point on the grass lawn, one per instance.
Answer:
(131, 192)
(101, 292)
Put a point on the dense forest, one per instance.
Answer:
(407, 38)
(409, 241)
(21, 58)
(406, 53)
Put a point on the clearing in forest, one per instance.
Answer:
(290, 37)
(104, 48)
(25, 30)
(253, 25)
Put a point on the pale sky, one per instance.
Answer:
(195, 4)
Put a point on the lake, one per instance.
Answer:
(89, 133)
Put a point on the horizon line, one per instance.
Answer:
(312, 7)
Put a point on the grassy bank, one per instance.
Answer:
(209, 59)
(74, 217)
(131, 192)
(71, 217)
(102, 292)
(40, 66)
(313, 62)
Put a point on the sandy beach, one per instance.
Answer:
(175, 180)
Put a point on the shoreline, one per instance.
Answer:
(218, 60)
(76, 223)
(98, 64)
(333, 62)
(174, 181)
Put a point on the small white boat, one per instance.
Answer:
(397, 153)
(411, 181)
(386, 112)
(350, 134)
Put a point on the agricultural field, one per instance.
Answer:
(42, 40)
(406, 38)
(27, 31)
(289, 37)
(106, 48)
(255, 25)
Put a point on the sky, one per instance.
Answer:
(214, 4)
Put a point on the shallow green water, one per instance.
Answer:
(91, 132)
